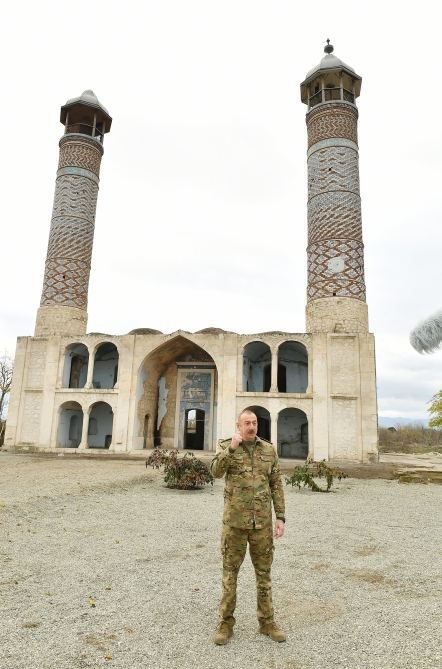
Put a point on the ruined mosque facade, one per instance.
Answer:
(314, 392)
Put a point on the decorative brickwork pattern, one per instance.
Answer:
(75, 196)
(336, 268)
(334, 215)
(334, 120)
(80, 153)
(71, 237)
(335, 249)
(333, 169)
(66, 283)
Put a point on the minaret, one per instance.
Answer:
(63, 306)
(336, 285)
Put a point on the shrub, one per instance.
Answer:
(305, 475)
(410, 439)
(435, 411)
(184, 472)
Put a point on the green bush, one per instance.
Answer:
(184, 472)
(305, 475)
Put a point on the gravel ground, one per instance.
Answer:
(101, 565)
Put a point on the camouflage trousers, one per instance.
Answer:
(233, 547)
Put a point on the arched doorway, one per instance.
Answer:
(76, 362)
(292, 434)
(257, 367)
(105, 366)
(264, 421)
(175, 380)
(292, 367)
(70, 425)
(99, 432)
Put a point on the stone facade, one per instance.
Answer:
(161, 377)
(314, 393)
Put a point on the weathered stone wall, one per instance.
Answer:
(339, 403)
(331, 314)
(35, 371)
(345, 437)
(60, 320)
(32, 405)
(167, 428)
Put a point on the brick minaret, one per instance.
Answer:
(63, 306)
(336, 285)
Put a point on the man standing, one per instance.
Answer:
(253, 481)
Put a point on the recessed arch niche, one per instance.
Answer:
(257, 367)
(292, 434)
(70, 425)
(292, 367)
(175, 379)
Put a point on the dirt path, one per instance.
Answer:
(101, 565)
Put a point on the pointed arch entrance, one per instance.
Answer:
(177, 389)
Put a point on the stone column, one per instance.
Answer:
(84, 431)
(90, 370)
(274, 428)
(274, 379)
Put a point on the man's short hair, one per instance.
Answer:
(247, 411)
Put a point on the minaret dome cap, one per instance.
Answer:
(87, 100)
(330, 63)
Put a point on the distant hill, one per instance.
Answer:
(400, 420)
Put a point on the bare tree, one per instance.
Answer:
(5, 387)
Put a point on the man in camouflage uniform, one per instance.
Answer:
(253, 481)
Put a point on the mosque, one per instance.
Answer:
(314, 393)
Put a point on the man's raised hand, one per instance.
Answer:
(236, 440)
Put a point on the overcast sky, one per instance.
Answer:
(201, 217)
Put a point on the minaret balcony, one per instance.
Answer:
(85, 129)
(331, 95)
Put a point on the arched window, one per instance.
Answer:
(100, 427)
(75, 366)
(292, 367)
(257, 367)
(105, 366)
(292, 434)
(264, 421)
(70, 425)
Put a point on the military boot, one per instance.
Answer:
(223, 633)
(272, 630)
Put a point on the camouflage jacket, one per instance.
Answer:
(253, 480)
